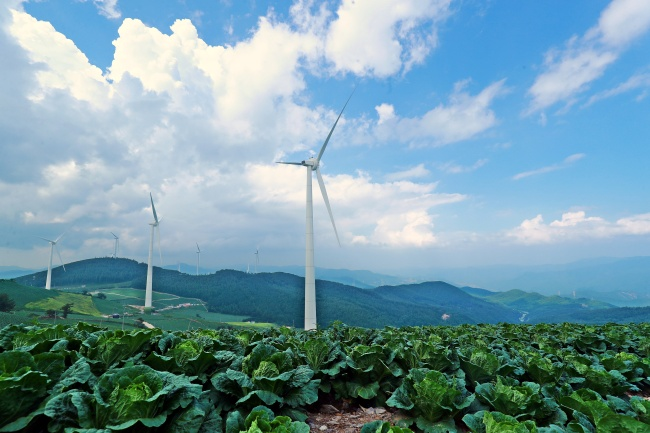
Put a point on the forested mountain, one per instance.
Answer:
(279, 297)
(449, 299)
(91, 271)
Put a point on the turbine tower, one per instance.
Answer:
(117, 245)
(148, 295)
(312, 164)
(198, 258)
(48, 280)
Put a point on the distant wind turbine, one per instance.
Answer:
(198, 258)
(257, 259)
(312, 164)
(117, 245)
(48, 280)
(148, 294)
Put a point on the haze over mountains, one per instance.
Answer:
(619, 281)
(279, 297)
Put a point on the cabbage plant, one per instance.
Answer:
(431, 399)
(122, 398)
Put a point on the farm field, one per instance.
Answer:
(468, 378)
(173, 312)
(82, 304)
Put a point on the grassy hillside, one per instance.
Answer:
(80, 304)
(22, 295)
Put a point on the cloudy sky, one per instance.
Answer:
(480, 132)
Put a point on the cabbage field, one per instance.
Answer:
(468, 378)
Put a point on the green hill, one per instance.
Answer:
(536, 308)
(449, 300)
(22, 295)
(92, 272)
(279, 297)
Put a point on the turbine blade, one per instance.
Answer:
(57, 251)
(322, 149)
(47, 240)
(57, 239)
(290, 163)
(327, 202)
(155, 216)
(113, 235)
(198, 250)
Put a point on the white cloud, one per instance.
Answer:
(567, 76)
(386, 113)
(567, 162)
(464, 117)
(622, 22)
(577, 226)
(570, 71)
(637, 81)
(62, 66)
(453, 168)
(359, 205)
(108, 8)
(414, 172)
(383, 37)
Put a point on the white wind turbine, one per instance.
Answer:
(148, 294)
(312, 164)
(48, 280)
(117, 245)
(198, 258)
(257, 259)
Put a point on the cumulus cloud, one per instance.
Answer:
(569, 71)
(462, 118)
(567, 162)
(577, 226)
(358, 203)
(198, 126)
(62, 65)
(383, 37)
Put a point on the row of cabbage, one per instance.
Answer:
(478, 378)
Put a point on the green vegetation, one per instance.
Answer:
(70, 301)
(547, 378)
(6, 303)
(22, 295)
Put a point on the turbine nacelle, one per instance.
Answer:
(53, 247)
(311, 162)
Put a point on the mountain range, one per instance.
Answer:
(278, 297)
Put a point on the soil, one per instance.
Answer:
(347, 419)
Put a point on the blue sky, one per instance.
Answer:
(480, 132)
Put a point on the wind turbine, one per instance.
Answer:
(312, 164)
(198, 258)
(257, 259)
(148, 294)
(117, 245)
(48, 280)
